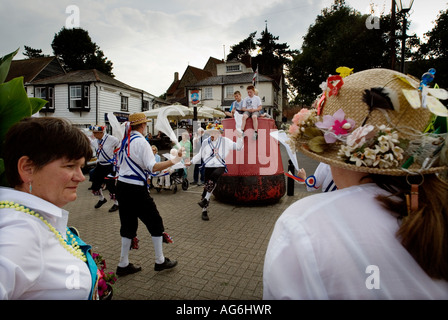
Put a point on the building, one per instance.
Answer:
(84, 96)
(218, 81)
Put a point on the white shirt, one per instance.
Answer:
(141, 153)
(341, 245)
(220, 148)
(252, 103)
(324, 179)
(33, 264)
(105, 148)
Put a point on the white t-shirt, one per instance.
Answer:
(342, 245)
(33, 264)
(252, 103)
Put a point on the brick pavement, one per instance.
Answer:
(220, 259)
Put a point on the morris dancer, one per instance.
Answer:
(136, 161)
(105, 146)
(213, 152)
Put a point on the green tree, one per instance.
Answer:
(244, 47)
(434, 52)
(33, 53)
(273, 56)
(339, 37)
(77, 51)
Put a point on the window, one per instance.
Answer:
(145, 106)
(45, 93)
(79, 97)
(229, 92)
(208, 93)
(233, 68)
(124, 103)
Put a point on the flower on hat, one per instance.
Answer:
(365, 147)
(335, 126)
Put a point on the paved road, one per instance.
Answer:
(219, 259)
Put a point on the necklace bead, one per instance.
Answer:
(73, 248)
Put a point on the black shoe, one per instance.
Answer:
(100, 203)
(167, 264)
(194, 182)
(114, 208)
(205, 216)
(201, 183)
(203, 203)
(129, 269)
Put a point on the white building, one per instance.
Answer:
(84, 97)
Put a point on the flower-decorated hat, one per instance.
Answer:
(97, 128)
(377, 121)
(215, 127)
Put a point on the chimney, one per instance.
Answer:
(176, 76)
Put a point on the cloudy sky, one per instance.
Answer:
(148, 40)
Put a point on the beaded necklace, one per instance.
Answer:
(72, 248)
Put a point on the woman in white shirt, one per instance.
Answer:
(40, 258)
(384, 233)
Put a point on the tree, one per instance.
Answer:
(273, 56)
(75, 49)
(339, 37)
(434, 52)
(243, 48)
(33, 53)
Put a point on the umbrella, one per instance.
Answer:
(177, 111)
(216, 113)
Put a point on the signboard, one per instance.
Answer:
(195, 97)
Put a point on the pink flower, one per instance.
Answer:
(335, 125)
(360, 135)
(301, 116)
(293, 129)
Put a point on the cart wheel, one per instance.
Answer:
(175, 188)
(158, 190)
(185, 184)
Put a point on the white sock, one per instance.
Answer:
(208, 195)
(158, 241)
(101, 195)
(116, 202)
(125, 247)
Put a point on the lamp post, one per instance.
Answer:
(404, 6)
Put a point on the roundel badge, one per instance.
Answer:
(310, 181)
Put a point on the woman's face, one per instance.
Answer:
(57, 182)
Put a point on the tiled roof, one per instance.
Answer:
(232, 79)
(30, 69)
(83, 76)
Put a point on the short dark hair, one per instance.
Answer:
(43, 140)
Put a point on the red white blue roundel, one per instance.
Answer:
(310, 181)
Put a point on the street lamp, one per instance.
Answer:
(403, 6)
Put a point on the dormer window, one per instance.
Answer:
(233, 68)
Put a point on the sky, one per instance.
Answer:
(148, 41)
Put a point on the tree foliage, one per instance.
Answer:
(33, 53)
(77, 51)
(339, 37)
(434, 52)
(270, 57)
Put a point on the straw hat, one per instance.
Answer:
(366, 124)
(137, 118)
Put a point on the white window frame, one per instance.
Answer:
(124, 103)
(229, 92)
(233, 68)
(75, 95)
(208, 93)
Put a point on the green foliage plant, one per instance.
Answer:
(14, 105)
